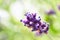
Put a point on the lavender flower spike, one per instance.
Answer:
(35, 23)
(51, 12)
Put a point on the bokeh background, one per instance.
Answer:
(12, 11)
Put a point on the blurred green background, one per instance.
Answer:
(11, 11)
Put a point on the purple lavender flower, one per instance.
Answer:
(35, 23)
(50, 12)
(58, 6)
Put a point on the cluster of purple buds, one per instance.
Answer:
(35, 23)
